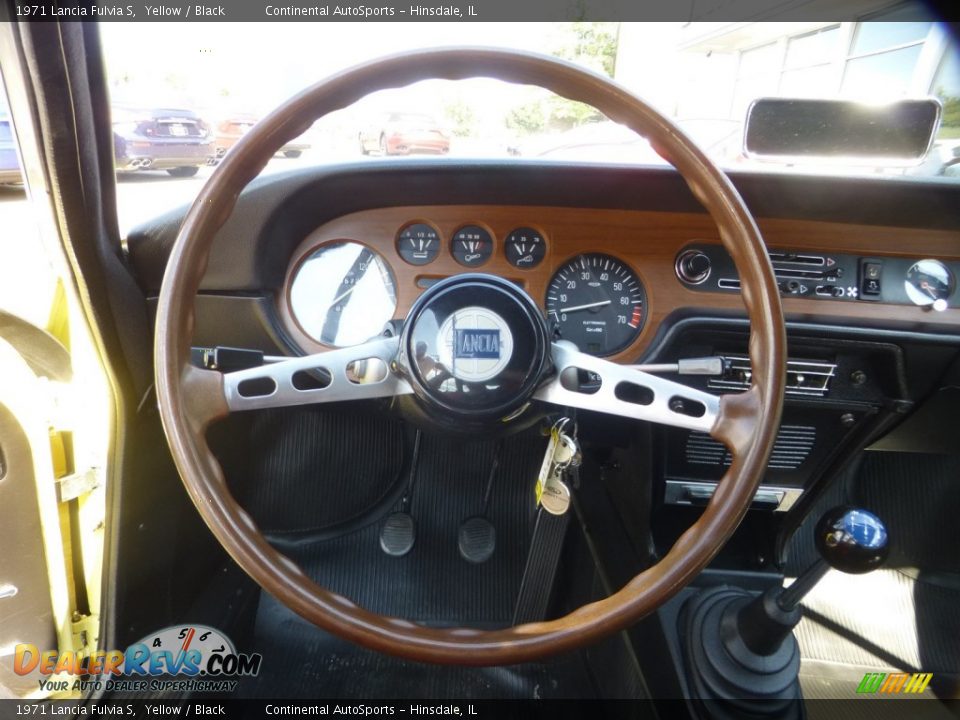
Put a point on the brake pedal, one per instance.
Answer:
(398, 534)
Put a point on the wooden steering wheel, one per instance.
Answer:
(190, 399)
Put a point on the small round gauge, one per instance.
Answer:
(418, 243)
(471, 245)
(929, 282)
(525, 248)
(181, 639)
(597, 302)
(343, 294)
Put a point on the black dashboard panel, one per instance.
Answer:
(900, 351)
(276, 212)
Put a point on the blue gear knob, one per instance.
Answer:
(852, 540)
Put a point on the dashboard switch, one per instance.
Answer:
(870, 279)
(693, 267)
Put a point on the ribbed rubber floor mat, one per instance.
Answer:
(311, 468)
(302, 661)
(918, 497)
(432, 584)
(906, 616)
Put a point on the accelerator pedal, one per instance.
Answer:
(476, 539)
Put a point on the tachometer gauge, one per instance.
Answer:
(597, 302)
(343, 294)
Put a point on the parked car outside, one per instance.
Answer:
(233, 127)
(401, 133)
(172, 139)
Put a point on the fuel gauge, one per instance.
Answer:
(929, 282)
(418, 244)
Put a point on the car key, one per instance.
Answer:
(563, 452)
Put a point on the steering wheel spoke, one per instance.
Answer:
(189, 399)
(360, 372)
(620, 390)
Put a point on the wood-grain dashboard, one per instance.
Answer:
(648, 242)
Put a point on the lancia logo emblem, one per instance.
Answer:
(475, 344)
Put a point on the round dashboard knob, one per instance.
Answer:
(693, 266)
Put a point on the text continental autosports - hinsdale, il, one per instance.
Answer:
(368, 11)
(413, 710)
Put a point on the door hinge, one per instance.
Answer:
(70, 487)
(85, 632)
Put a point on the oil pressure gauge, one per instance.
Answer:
(471, 245)
(929, 283)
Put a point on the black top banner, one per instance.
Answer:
(456, 11)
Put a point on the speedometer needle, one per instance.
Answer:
(343, 295)
(585, 307)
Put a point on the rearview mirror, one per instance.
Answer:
(801, 131)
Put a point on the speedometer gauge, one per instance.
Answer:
(598, 303)
(343, 294)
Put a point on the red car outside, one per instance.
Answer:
(403, 134)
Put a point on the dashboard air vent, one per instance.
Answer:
(805, 378)
(792, 446)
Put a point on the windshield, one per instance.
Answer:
(184, 94)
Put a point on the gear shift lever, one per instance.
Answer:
(848, 539)
(741, 648)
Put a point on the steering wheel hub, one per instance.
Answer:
(474, 346)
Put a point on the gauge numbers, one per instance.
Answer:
(418, 244)
(472, 246)
(343, 294)
(525, 248)
(596, 302)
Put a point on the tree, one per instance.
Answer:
(461, 117)
(592, 44)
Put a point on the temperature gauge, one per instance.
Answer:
(471, 245)
(418, 244)
(525, 248)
